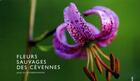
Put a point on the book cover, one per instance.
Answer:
(69, 40)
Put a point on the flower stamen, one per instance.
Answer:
(117, 65)
(89, 59)
(112, 62)
(108, 75)
(92, 53)
(101, 52)
(89, 74)
(116, 75)
(99, 66)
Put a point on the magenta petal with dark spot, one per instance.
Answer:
(64, 49)
(80, 26)
(109, 24)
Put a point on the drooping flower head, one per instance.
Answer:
(88, 39)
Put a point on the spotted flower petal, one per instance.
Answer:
(109, 24)
(80, 27)
(64, 49)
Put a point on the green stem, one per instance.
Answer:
(31, 42)
(44, 36)
(30, 37)
(32, 19)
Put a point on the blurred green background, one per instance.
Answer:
(14, 16)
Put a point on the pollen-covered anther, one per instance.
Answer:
(115, 65)
(89, 74)
(108, 75)
(112, 62)
(99, 66)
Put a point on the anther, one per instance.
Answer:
(112, 62)
(117, 65)
(100, 60)
(99, 66)
(89, 74)
(108, 75)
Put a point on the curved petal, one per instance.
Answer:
(109, 25)
(105, 42)
(113, 20)
(75, 34)
(79, 25)
(91, 32)
(62, 48)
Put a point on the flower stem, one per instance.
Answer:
(30, 37)
(30, 40)
(32, 19)
(26, 72)
(44, 36)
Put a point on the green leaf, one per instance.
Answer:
(44, 48)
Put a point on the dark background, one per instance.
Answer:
(14, 17)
